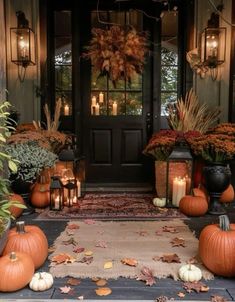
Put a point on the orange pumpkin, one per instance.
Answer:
(16, 271)
(29, 239)
(227, 195)
(15, 211)
(217, 246)
(40, 197)
(201, 191)
(193, 205)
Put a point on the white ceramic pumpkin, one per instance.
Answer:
(190, 273)
(159, 202)
(41, 281)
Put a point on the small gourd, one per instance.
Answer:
(159, 202)
(190, 273)
(41, 281)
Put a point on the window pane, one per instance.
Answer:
(120, 85)
(169, 78)
(117, 103)
(135, 19)
(62, 23)
(117, 17)
(136, 82)
(167, 98)
(66, 98)
(134, 103)
(169, 57)
(63, 51)
(97, 82)
(63, 77)
(103, 17)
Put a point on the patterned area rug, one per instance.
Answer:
(113, 206)
(112, 249)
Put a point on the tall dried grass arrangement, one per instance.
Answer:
(189, 115)
(51, 125)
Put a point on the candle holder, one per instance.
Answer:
(72, 193)
(56, 194)
(179, 172)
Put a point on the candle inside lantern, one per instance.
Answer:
(78, 188)
(97, 109)
(66, 109)
(57, 202)
(178, 190)
(101, 97)
(93, 101)
(114, 108)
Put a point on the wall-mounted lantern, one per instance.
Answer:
(22, 45)
(213, 42)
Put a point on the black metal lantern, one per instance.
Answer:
(22, 44)
(71, 196)
(56, 194)
(179, 174)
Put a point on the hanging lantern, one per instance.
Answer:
(56, 194)
(179, 174)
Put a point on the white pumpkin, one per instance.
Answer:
(41, 281)
(159, 202)
(190, 273)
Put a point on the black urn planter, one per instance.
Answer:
(217, 177)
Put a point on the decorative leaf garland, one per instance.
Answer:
(117, 53)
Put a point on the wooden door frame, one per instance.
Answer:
(231, 116)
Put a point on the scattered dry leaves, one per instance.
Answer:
(51, 249)
(142, 233)
(87, 260)
(78, 250)
(73, 281)
(70, 260)
(73, 226)
(89, 221)
(178, 242)
(169, 229)
(95, 279)
(146, 275)
(108, 265)
(129, 261)
(162, 299)
(181, 295)
(70, 241)
(170, 258)
(193, 260)
(101, 244)
(60, 258)
(65, 289)
(101, 282)
(103, 291)
(195, 286)
(88, 253)
(216, 298)
(158, 233)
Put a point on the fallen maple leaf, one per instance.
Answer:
(89, 221)
(181, 295)
(73, 226)
(192, 260)
(78, 250)
(204, 289)
(65, 289)
(88, 253)
(142, 233)
(146, 275)
(161, 299)
(169, 258)
(108, 265)
(129, 261)
(158, 233)
(101, 244)
(95, 279)
(103, 291)
(101, 282)
(169, 229)
(70, 241)
(70, 260)
(51, 249)
(73, 281)
(156, 258)
(86, 260)
(60, 258)
(194, 286)
(215, 298)
(178, 242)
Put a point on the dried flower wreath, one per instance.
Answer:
(117, 52)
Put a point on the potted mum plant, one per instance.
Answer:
(6, 162)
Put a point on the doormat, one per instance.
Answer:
(113, 249)
(113, 206)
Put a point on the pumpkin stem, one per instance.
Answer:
(224, 223)
(20, 227)
(13, 256)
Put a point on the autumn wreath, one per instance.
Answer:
(117, 52)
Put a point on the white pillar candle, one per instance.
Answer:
(93, 101)
(101, 97)
(174, 190)
(66, 109)
(114, 108)
(97, 109)
(178, 191)
(57, 202)
(79, 188)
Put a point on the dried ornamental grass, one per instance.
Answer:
(117, 53)
(189, 115)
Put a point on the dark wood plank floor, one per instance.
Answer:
(126, 289)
